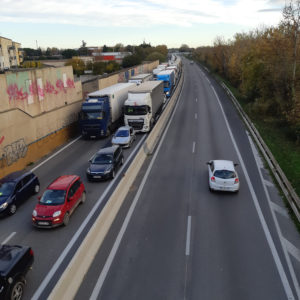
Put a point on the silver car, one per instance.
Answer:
(124, 136)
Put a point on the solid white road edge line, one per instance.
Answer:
(54, 154)
(8, 238)
(121, 233)
(66, 251)
(188, 236)
(281, 238)
(267, 233)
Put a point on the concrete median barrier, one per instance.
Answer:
(70, 281)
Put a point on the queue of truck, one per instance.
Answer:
(137, 103)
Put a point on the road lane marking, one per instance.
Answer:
(266, 230)
(281, 238)
(188, 236)
(196, 100)
(294, 251)
(196, 116)
(268, 183)
(75, 237)
(8, 238)
(121, 233)
(279, 209)
(194, 146)
(56, 153)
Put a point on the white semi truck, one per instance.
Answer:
(138, 79)
(143, 105)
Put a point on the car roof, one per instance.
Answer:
(223, 165)
(108, 150)
(124, 128)
(62, 182)
(15, 176)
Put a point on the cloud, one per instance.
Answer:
(134, 13)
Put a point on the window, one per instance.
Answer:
(26, 179)
(19, 186)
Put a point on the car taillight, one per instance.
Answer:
(213, 178)
(31, 252)
(236, 181)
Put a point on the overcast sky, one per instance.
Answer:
(65, 23)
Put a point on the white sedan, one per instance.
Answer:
(124, 136)
(223, 176)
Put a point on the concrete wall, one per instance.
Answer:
(37, 107)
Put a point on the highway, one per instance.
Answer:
(181, 241)
(184, 242)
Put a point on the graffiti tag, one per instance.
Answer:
(15, 151)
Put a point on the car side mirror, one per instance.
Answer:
(236, 165)
(39, 198)
(90, 160)
(208, 163)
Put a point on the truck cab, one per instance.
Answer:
(168, 77)
(93, 117)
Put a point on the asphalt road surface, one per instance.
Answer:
(184, 242)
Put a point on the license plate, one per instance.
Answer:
(43, 223)
(97, 176)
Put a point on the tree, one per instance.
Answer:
(69, 53)
(131, 60)
(184, 48)
(119, 47)
(156, 56)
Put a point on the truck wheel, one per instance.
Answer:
(17, 290)
(12, 209)
(108, 132)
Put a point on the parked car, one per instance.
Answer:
(105, 163)
(59, 201)
(15, 262)
(124, 136)
(16, 188)
(223, 176)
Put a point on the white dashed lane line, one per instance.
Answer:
(8, 238)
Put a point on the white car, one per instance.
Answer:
(223, 176)
(124, 136)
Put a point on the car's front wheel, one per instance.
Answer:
(66, 219)
(12, 209)
(83, 197)
(36, 188)
(17, 290)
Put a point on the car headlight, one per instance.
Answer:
(4, 205)
(107, 171)
(167, 93)
(56, 214)
(34, 213)
(88, 170)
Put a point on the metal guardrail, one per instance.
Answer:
(282, 180)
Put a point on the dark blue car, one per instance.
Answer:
(15, 188)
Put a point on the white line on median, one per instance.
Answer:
(56, 153)
(194, 145)
(281, 238)
(8, 238)
(75, 237)
(266, 230)
(121, 233)
(188, 236)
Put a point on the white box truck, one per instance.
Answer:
(143, 105)
(138, 79)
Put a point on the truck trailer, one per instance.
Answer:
(168, 77)
(102, 111)
(143, 105)
(138, 79)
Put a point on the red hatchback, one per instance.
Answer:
(59, 201)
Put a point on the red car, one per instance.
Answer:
(59, 201)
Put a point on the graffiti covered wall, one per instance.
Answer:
(33, 105)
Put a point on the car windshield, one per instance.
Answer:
(122, 133)
(224, 174)
(136, 110)
(6, 188)
(53, 197)
(102, 159)
(166, 84)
